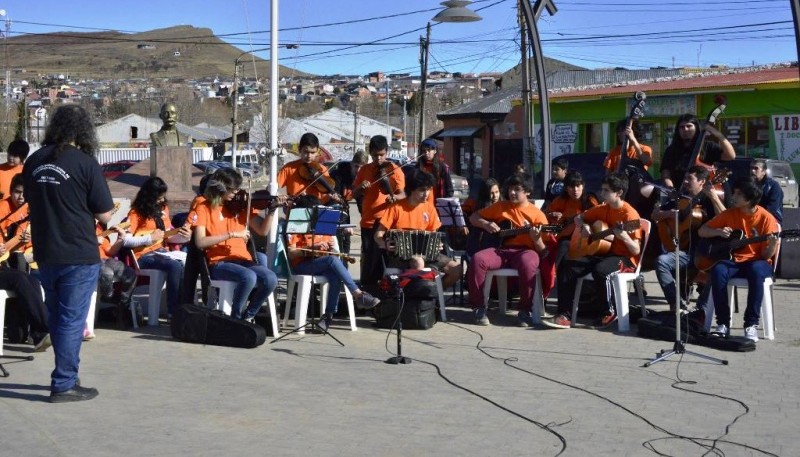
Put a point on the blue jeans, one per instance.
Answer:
(247, 276)
(174, 271)
(755, 271)
(332, 268)
(68, 293)
(665, 272)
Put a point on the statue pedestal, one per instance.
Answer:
(173, 164)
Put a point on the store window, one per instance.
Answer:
(593, 138)
(749, 136)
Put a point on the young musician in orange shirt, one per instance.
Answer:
(381, 183)
(297, 176)
(520, 252)
(635, 150)
(306, 262)
(221, 230)
(17, 153)
(14, 220)
(750, 261)
(622, 255)
(149, 218)
(416, 212)
(562, 210)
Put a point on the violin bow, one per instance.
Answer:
(410, 162)
(321, 174)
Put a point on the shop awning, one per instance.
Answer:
(457, 131)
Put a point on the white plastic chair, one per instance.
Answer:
(3, 297)
(222, 291)
(304, 291)
(767, 316)
(619, 283)
(157, 280)
(502, 276)
(439, 290)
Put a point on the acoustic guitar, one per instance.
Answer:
(711, 251)
(595, 244)
(14, 243)
(167, 234)
(507, 230)
(689, 217)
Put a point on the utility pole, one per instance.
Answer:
(235, 120)
(528, 151)
(424, 51)
(355, 129)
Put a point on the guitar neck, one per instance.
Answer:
(547, 228)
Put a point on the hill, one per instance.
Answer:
(174, 52)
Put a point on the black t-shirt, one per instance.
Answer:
(64, 194)
(676, 159)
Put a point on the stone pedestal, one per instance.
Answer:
(173, 164)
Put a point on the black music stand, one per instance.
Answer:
(679, 346)
(451, 215)
(319, 220)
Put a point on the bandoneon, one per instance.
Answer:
(415, 242)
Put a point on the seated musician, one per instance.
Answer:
(520, 252)
(676, 157)
(416, 212)
(622, 254)
(701, 203)
(307, 175)
(150, 222)
(221, 229)
(636, 151)
(380, 183)
(488, 194)
(562, 210)
(112, 271)
(315, 255)
(751, 261)
(28, 293)
(14, 223)
(193, 267)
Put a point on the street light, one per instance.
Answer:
(455, 11)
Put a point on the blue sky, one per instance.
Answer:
(588, 33)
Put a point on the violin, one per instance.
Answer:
(313, 174)
(384, 170)
(260, 199)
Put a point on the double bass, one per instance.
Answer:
(700, 139)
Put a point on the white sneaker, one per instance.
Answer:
(721, 329)
(751, 333)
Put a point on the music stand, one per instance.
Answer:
(679, 346)
(451, 215)
(319, 220)
(3, 372)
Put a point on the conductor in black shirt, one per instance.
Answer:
(66, 191)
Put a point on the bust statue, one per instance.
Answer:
(169, 135)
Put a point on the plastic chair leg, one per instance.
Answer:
(576, 300)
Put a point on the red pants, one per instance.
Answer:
(525, 261)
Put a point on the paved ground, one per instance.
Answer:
(478, 391)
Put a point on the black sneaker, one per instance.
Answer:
(367, 301)
(77, 393)
(324, 322)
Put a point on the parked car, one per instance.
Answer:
(113, 169)
(779, 170)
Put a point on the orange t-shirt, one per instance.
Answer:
(218, 221)
(403, 216)
(191, 218)
(613, 217)
(7, 172)
(375, 201)
(144, 226)
(568, 208)
(759, 223)
(519, 216)
(612, 159)
(289, 177)
(10, 216)
(105, 245)
(305, 241)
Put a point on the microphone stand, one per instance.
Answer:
(399, 359)
(679, 346)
